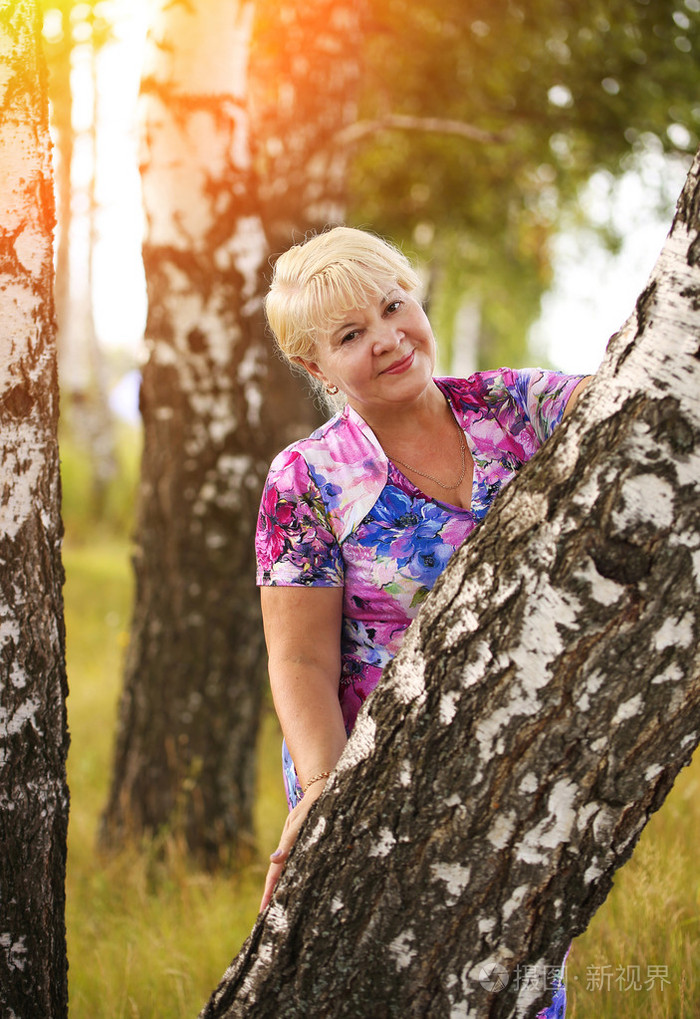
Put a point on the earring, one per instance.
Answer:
(332, 390)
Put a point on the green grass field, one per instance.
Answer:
(149, 938)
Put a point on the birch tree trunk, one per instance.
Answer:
(33, 731)
(189, 710)
(304, 94)
(537, 714)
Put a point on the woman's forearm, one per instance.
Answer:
(302, 630)
(307, 705)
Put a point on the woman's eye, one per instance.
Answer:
(349, 336)
(393, 306)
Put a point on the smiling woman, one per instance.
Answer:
(350, 537)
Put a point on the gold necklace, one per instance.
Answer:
(431, 477)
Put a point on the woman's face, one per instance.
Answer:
(381, 355)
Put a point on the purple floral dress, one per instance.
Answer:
(335, 512)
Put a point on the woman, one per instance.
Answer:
(358, 520)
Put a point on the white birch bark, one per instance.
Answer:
(33, 733)
(186, 742)
(537, 714)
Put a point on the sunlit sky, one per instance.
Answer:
(593, 292)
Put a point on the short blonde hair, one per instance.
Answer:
(315, 283)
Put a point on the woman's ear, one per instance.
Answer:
(312, 368)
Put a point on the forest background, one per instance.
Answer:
(149, 933)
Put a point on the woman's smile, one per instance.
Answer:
(400, 366)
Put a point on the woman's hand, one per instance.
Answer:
(292, 825)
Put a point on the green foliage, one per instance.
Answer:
(568, 89)
(149, 937)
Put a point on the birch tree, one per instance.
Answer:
(216, 403)
(538, 712)
(304, 97)
(33, 732)
(189, 711)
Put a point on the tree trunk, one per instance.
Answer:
(304, 94)
(90, 414)
(217, 403)
(537, 714)
(189, 711)
(33, 731)
(81, 361)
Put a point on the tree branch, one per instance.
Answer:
(435, 125)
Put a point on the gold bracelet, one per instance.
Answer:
(316, 778)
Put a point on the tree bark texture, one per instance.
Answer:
(33, 730)
(537, 714)
(217, 404)
(189, 712)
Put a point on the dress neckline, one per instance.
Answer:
(350, 412)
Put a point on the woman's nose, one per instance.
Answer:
(387, 338)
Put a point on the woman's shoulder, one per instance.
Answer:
(345, 439)
(497, 385)
(515, 398)
(481, 387)
(299, 448)
(343, 460)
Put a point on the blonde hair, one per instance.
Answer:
(315, 284)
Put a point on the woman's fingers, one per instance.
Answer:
(289, 834)
(273, 872)
(278, 860)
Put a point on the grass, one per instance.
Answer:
(147, 938)
(150, 938)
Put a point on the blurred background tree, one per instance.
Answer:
(216, 403)
(74, 33)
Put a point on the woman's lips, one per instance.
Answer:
(400, 366)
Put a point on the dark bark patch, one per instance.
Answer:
(17, 402)
(694, 252)
(621, 561)
(644, 305)
(197, 341)
(693, 295)
(678, 433)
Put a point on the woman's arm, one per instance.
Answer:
(302, 631)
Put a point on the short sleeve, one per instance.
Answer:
(294, 542)
(543, 396)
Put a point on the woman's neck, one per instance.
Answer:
(403, 424)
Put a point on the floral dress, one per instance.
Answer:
(336, 512)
